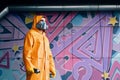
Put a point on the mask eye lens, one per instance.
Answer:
(41, 20)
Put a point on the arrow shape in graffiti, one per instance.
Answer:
(4, 58)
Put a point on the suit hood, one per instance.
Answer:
(36, 19)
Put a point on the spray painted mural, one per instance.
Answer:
(85, 45)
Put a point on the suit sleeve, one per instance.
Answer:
(51, 63)
(28, 43)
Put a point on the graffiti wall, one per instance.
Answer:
(85, 45)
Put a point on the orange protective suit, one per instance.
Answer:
(37, 54)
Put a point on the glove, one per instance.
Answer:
(52, 75)
(36, 70)
(30, 71)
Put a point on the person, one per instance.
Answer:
(37, 56)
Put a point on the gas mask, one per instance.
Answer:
(42, 24)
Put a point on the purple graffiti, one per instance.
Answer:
(87, 68)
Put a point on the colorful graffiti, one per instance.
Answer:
(85, 45)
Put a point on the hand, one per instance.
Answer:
(30, 71)
(52, 75)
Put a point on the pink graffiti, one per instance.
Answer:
(6, 58)
(115, 66)
(55, 20)
(62, 24)
(117, 76)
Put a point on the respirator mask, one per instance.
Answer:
(42, 24)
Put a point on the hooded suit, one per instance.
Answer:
(37, 54)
